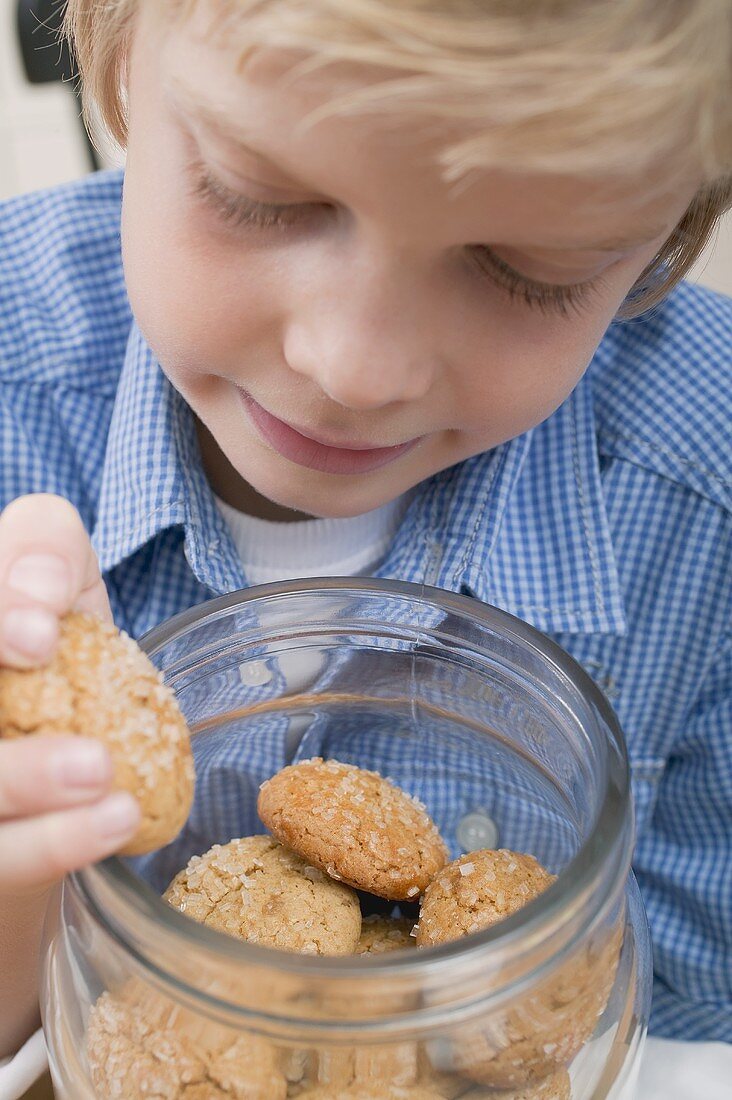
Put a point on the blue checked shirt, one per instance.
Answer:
(607, 527)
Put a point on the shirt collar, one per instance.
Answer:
(523, 527)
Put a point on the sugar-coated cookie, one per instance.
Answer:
(257, 890)
(380, 935)
(365, 1066)
(140, 1046)
(478, 890)
(543, 1029)
(355, 825)
(397, 1063)
(100, 684)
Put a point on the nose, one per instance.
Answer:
(365, 338)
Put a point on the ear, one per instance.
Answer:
(115, 118)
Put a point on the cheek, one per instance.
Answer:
(530, 364)
(198, 297)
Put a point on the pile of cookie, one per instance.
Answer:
(336, 834)
(335, 831)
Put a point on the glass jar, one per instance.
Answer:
(509, 745)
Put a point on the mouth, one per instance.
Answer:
(318, 453)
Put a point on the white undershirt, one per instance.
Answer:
(351, 547)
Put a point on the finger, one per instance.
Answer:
(47, 566)
(37, 851)
(40, 774)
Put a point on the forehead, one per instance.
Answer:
(268, 100)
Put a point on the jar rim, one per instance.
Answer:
(610, 834)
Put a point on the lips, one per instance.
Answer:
(317, 454)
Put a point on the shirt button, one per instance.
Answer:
(255, 673)
(476, 830)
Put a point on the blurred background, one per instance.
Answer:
(42, 142)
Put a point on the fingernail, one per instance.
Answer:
(31, 630)
(83, 765)
(44, 577)
(116, 817)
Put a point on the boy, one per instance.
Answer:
(373, 253)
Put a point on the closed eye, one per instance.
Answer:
(547, 297)
(236, 209)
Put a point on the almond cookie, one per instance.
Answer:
(140, 1046)
(476, 891)
(355, 825)
(257, 890)
(380, 935)
(100, 684)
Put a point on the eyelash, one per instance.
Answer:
(237, 210)
(546, 297)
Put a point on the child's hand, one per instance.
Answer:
(55, 811)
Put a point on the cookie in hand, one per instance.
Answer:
(355, 825)
(100, 684)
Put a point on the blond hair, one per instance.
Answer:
(560, 86)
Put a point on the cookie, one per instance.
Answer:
(100, 684)
(343, 1067)
(205, 1091)
(541, 1031)
(380, 935)
(478, 890)
(397, 1063)
(355, 825)
(141, 1046)
(364, 1066)
(259, 891)
(296, 1065)
(373, 1090)
(447, 1085)
(201, 1092)
(248, 1069)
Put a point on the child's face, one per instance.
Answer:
(371, 320)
